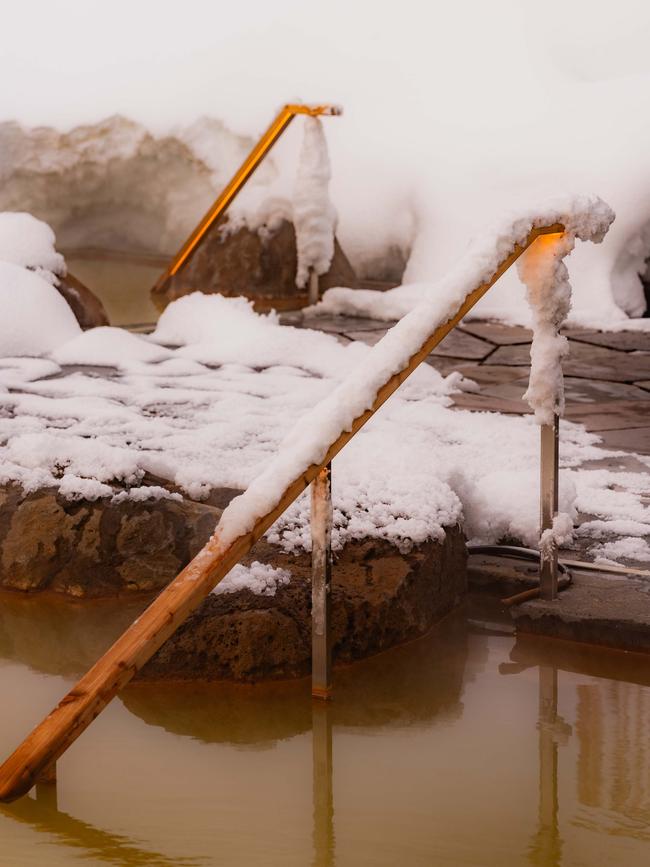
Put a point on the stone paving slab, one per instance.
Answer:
(337, 324)
(488, 403)
(614, 415)
(494, 375)
(496, 332)
(445, 365)
(606, 383)
(633, 440)
(600, 391)
(584, 361)
(596, 608)
(621, 340)
(458, 344)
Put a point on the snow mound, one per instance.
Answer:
(34, 318)
(108, 347)
(260, 578)
(585, 217)
(29, 242)
(214, 330)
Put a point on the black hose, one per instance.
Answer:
(530, 555)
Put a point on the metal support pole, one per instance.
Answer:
(313, 287)
(321, 581)
(323, 794)
(549, 466)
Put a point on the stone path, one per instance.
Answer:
(607, 375)
(607, 380)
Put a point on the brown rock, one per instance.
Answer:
(380, 598)
(97, 549)
(259, 265)
(85, 305)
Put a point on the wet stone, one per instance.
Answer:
(489, 403)
(494, 375)
(621, 340)
(380, 598)
(501, 335)
(515, 355)
(600, 391)
(339, 324)
(634, 440)
(457, 344)
(99, 548)
(614, 415)
(445, 365)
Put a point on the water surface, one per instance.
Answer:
(468, 747)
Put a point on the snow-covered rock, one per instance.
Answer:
(34, 318)
(29, 242)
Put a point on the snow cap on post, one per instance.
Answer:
(314, 216)
(543, 271)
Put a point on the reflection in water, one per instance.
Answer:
(322, 785)
(42, 815)
(612, 728)
(409, 686)
(56, 635)
(614, 758)
(122, 283)
(546, 847)
(423, 737)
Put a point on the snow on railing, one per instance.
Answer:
(307, 452)
(239, 179)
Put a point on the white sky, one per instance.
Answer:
(68, 61)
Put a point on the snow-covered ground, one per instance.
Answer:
(221, 397)
(213, 411)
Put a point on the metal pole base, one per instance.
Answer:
(549, 469)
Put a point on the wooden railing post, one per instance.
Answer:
(549, 492)
(321, 583)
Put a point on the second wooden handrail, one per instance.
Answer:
(51, 738)
(237, 182)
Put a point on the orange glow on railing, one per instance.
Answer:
(241, 176)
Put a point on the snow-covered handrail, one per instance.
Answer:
(314, 442)
(238, 180)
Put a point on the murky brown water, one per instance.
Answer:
(465, 748)
(122, 284)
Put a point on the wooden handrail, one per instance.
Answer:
(51, 738)
(241, 176)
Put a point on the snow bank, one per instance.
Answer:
(314, 217)
(214, 330)
(34, 318)
(108, 347)
(29, 242)
(415, 468)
